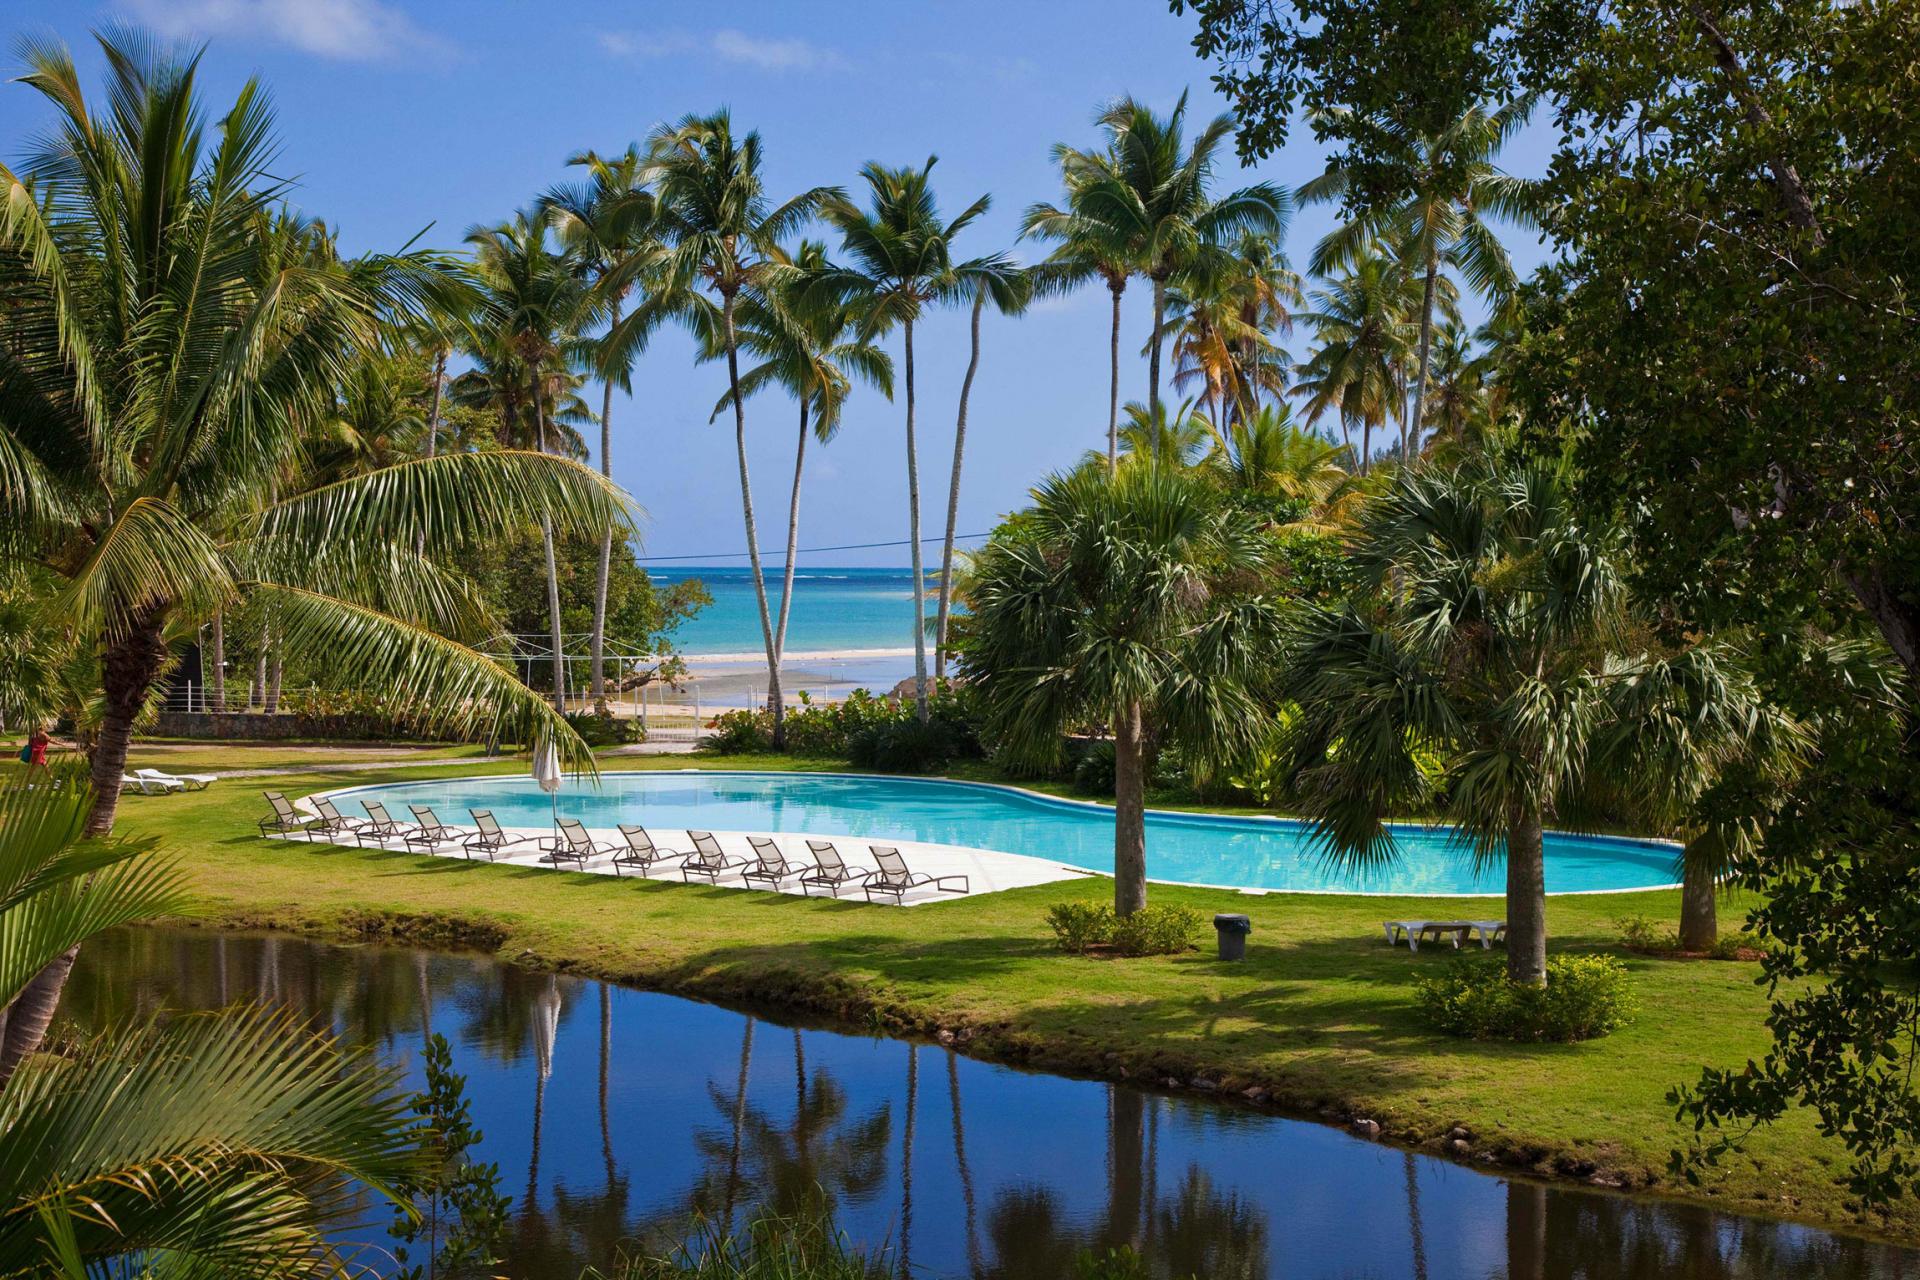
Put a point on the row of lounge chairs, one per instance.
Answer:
(769, 865)
(1416, 932)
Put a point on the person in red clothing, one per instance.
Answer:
(37, 743)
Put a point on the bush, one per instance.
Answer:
(734, 732)
(1156, 931)
(1585, 998)
(1080, 926)
(1093, 772)
(604, 729)
(832, 729)
(905, 746)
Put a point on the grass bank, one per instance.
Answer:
(1320, 1017)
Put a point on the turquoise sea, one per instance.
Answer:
(838, 612)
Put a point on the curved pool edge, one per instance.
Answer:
(1044, 798)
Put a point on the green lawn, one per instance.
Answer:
(1320, 1013)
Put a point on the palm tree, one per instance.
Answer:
(1150, 190)
(808, 344)
(1116, 603)
(610, 227)
(227, 1142)
(536, 308)
(164, 353)
(1362, 325)
(1181, 438)
(1223, 316)
(1490, 628)
(1268, 457)
(1010, 289)
(1440, 224)
(900, 263)
(725, 238)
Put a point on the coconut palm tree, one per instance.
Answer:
(1268, 456)
(1441, 224)
(536, 308)
(808, 344)
(724, 235)
(1181, 438)
(163, 354)
(1223, 316)
(1116, 603)
(610, 226)
(1490, 628)
(1363, 328)
(1151, 191)
(1010, 290)
(229, 1142)
(899, 263)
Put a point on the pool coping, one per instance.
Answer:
(1065, 802)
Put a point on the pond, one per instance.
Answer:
(1193, 848)
(615, 1114)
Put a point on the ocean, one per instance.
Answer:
(850, 628)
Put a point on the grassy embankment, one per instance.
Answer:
(1320, 1015)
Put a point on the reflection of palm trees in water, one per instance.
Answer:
(1413, 1219)
(906, 1159)
(960, 1164)
(739, 1122)
(545, 1025)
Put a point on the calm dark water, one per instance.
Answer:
(615, 1114)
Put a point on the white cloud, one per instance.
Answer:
(359, 30)
(768, 53)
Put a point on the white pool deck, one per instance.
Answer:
(986, 870)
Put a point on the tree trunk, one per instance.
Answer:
(553, 571)
(219, 677)
(24, 1023)
(953, 499)
(1366, 444)
(598, 641)
(1153, 348)
(1426, 350)
(913, 534)
(275, 669)
(1699, 915)
(1526, 900)
(257, 691)
(433, 426)
(774, 699)
(786, 577)
(1129, 812)
(1113, 387)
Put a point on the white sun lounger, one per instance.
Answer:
(1454, 931)
(150, 786)
(187, 781)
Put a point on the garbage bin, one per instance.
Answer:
(1233, 931)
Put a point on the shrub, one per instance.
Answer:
(734, 732)
(1093, 772)
(1079, 926)
(604, 729)
(1585, 997)
(1156, 931)
(905, 746)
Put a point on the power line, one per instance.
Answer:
(801, 551)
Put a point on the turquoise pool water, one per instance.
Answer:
(1253, 853)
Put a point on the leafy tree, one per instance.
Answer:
(1119, 600)
(453, 1207)
(899, 263)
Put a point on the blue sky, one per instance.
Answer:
(397, 115)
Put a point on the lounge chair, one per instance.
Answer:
(769, 864)
(1490, 931)
(185, 781)
(1419, 931)
(707, 859)
(895, 878)
(285, 820)
(573, 844)
(380, 826)
(149, 786)
(489, 837)
(431, 832)
(829, 870)
(641, 851)
(332, 822)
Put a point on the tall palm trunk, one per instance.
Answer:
(433, 424)
(1426, 351)
(913, 534)
(1153, 348)
(218, 680)
(793, 540)
(775, 702)
(1129, 812)
(1113, 386)
(275, 669)
(1526, 899)
(257, 693)
(1699, 914)
(553, 571)
(953, 499)
(598, 641)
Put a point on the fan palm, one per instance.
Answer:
(809, 345)
(1490, 628)
(1441, 223)
(1114, 603)
(1151, 190)
(725, 235)
(1010, 291)
(535, 308)
(899, 263)
(227, 1143)
(162, 357)
(610, 226)
(1363, 326)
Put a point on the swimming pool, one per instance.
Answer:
(1253, 853)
